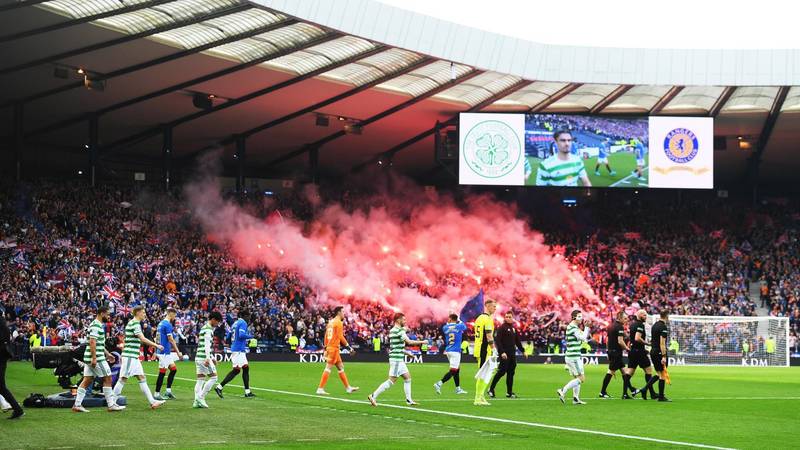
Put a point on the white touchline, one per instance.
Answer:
(601, 400)
(484, 418)
(623, 180)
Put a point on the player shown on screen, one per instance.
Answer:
(563, 168)
(638, 151)
(602, 158)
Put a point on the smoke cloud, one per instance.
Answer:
(412, 250)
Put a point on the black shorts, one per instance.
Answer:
(656, 357)
(482, 353)
(615, 361)
(638, 358)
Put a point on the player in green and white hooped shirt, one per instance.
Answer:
(204, 361)
(397, 360)
(95, 365)
(577, 334)
(564, 168)
(130, 365)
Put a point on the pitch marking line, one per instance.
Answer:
(617, 183)
(487, 419)
(547, 399)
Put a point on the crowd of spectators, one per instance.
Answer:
(65, 248)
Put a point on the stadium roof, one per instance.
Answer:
(274, 70)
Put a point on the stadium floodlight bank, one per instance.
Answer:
(761, 341)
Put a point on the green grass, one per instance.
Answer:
(727, 407)
(623, 163)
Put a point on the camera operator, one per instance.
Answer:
(5, 355)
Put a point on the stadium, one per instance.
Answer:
(223, 222)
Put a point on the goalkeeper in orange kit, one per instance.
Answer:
(334, 338)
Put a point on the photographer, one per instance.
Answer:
(5, 355)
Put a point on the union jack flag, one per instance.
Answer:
(109, 277)
(19, 258)
(110, 294)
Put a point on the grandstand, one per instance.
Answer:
(290, 157)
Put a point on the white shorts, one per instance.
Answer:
(100, 370)
(164, 361)
(239, 359)
(602, 160)
(203, 370)
(640, 162)
(130, 367)
(574, 365)
(397, 368)
(454, 358)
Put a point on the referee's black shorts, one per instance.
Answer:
(638, 358)
(656, 357)
(615, 361)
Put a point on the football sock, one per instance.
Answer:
(171, 378)
(661, 384)
(457, 378)
(606, 380)
(108, 393)
(230, 376)
(146, 391)
(343, 377)
(324, 380)
(79, 396)
(407, 389)
(384, 386)
(246, 378)
(160, 380)
(198, 387)
(208, 386)
(118, 387)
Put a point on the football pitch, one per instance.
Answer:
(623, 163)
(713, 407)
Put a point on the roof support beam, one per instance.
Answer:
(180, 86)
(237, 101)
(323, 103)
(664, 101)
(381, 115)
(720, 103)
(563, 92)
(121, 40)
(158, 61)
(766, 132)
(80, 20)
(20, 4)
(413, 140)
(611, 98)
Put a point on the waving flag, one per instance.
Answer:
(716, 234)
(109, 278)
(19, 258)
(110, 294)
(632, 236)
(473, 308)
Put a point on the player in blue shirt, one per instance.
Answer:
(638, 149)
(602, 158)
(453, 330)
(239, 337)
(168, 354)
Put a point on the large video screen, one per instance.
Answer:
(586, 151)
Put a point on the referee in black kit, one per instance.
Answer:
(507, 342)
(5, 355)
(616, 344)
(658, 354)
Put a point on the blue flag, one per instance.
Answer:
(473, 308)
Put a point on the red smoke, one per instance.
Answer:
(399, 250)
